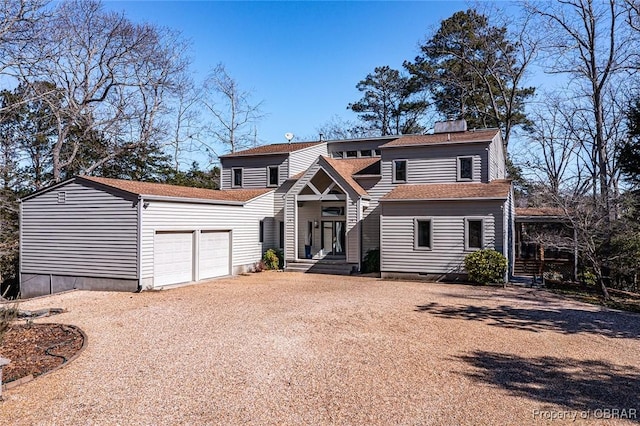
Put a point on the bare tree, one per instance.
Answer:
(186, 125)
(111, 78)
(337, 128)
(591, 42)
(553, 144)
(234, 116)
(17, 28)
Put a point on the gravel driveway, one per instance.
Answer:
(288, 348)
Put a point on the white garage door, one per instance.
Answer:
(213, 259)
(172, 258)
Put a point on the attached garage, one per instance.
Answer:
(109, 234)
(174, 260)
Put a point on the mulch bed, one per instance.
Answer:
(35, 349)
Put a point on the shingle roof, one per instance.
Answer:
(276, 148)
(539, 211)
(472, 136)
(348, 167)
(165, 190)
(497, 189)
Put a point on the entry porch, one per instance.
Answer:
(323, 215)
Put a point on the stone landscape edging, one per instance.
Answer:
(30, 377)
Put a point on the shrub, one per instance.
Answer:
(371, 261)
(588, 278)
(271, 259)
(486, 266)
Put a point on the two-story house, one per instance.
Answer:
(423, 201)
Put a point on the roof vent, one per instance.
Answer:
(451, 126)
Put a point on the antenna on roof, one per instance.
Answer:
(288, 136)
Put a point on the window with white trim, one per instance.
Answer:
(399, 170)
(273, 175)
(62, 197)
(465, 168)
(422, 234)
(474, 234)
(236, 177)
(261, 236)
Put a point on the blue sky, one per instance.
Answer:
(302, 59)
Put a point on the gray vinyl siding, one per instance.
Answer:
(376, 188)
(301, 160)
(448, 239)
(254, 170)
(425, 164)
(353, 231)
(509, 223)
(93, 234)
(497, 165)
(242, 221)
(437, 164)
(371, 215)
(278, 198)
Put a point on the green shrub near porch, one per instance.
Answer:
(486, 266)
(271, 259)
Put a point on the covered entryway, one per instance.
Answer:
(214, 258)
(172, 258)
(323, 214)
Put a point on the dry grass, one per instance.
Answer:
(286, 348)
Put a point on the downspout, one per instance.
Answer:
(359, 225)
(20, 250)
(512, 230)
(506, 212)
(295, 227)
(139, 242)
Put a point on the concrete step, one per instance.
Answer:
(323, 267)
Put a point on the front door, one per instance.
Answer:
(333, 236)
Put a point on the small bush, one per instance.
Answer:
(371, 261)
(271, 259)
(588, 278)
(486, 266)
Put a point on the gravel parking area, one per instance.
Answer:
(288, 348)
